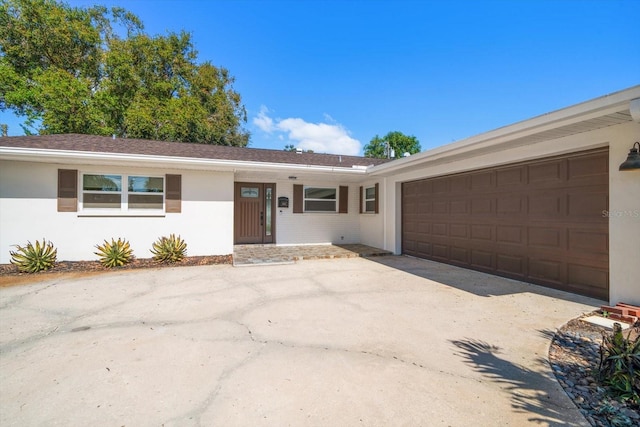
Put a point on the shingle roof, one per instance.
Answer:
(104, 144)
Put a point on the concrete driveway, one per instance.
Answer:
(387, 341)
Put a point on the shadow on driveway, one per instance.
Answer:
(475, 282)
(526, 387)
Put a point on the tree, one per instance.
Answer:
(392, 145)
(94, 71)
(291, 147)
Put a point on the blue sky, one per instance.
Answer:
(330, 75)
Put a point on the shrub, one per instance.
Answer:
(34, 258)
(114, 253)
(169, 249)
(620, 364)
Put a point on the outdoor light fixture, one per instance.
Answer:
(633, 159)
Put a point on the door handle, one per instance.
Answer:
(261, 218)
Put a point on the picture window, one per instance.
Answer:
(106, 191)
(320, 199)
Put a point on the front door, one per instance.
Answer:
(254, 207)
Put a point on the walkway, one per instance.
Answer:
(244, 255)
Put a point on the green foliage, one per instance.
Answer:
(392, 145)
(115, 253)
(292, 148)
(169, 249)
(33, 258)
(620, 364)
(68, 70)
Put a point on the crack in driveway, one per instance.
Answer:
(321, 342)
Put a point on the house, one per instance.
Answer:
(542, 200)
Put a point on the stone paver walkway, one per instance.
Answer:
(272, 254)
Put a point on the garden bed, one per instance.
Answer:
(9, 274)
(574, 356)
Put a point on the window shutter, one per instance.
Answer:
(344, 200)
(377, 190)
(67, 190)
(297, 198)
(173, 198)
(361, 198)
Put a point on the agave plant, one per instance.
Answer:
(169, 249)
(33, 258)
(115, 253)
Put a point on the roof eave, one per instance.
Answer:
(121, 159)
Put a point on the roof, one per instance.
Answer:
(142, 147)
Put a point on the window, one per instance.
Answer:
(318, 199)
(145, 192)
(250, 192)
(102, 191)
(370, 199)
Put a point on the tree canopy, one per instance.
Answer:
(95, 71)
(291, 147)
(392, 145)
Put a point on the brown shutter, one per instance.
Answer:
(361, 198)
(377, 190)
(344, 200)
(67, 190)
(297, 198)
(173, 199)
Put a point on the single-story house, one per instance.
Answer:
(542, 200)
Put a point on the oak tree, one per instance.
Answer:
(95, 71)
(392, 145)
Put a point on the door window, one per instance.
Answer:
(250, 192)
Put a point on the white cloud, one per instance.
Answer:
(263, 121)
(328, 118)
(331, 138)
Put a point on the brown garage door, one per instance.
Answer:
(540, 221)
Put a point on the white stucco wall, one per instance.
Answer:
(28, 212)
(624, 219)
(316, 228)
(624, 196)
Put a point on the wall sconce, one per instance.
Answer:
(633, 159)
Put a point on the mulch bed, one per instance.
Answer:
(574, 356)
(9, 273)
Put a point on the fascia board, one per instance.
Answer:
(83, 157)
(588, 110)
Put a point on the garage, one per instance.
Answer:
(541, 221)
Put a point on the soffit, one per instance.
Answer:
(576, 128)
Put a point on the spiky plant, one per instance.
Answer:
(169, 249)
(115, 253)
(620, 364)
(33, 258)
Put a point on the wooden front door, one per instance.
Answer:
(254, 213)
